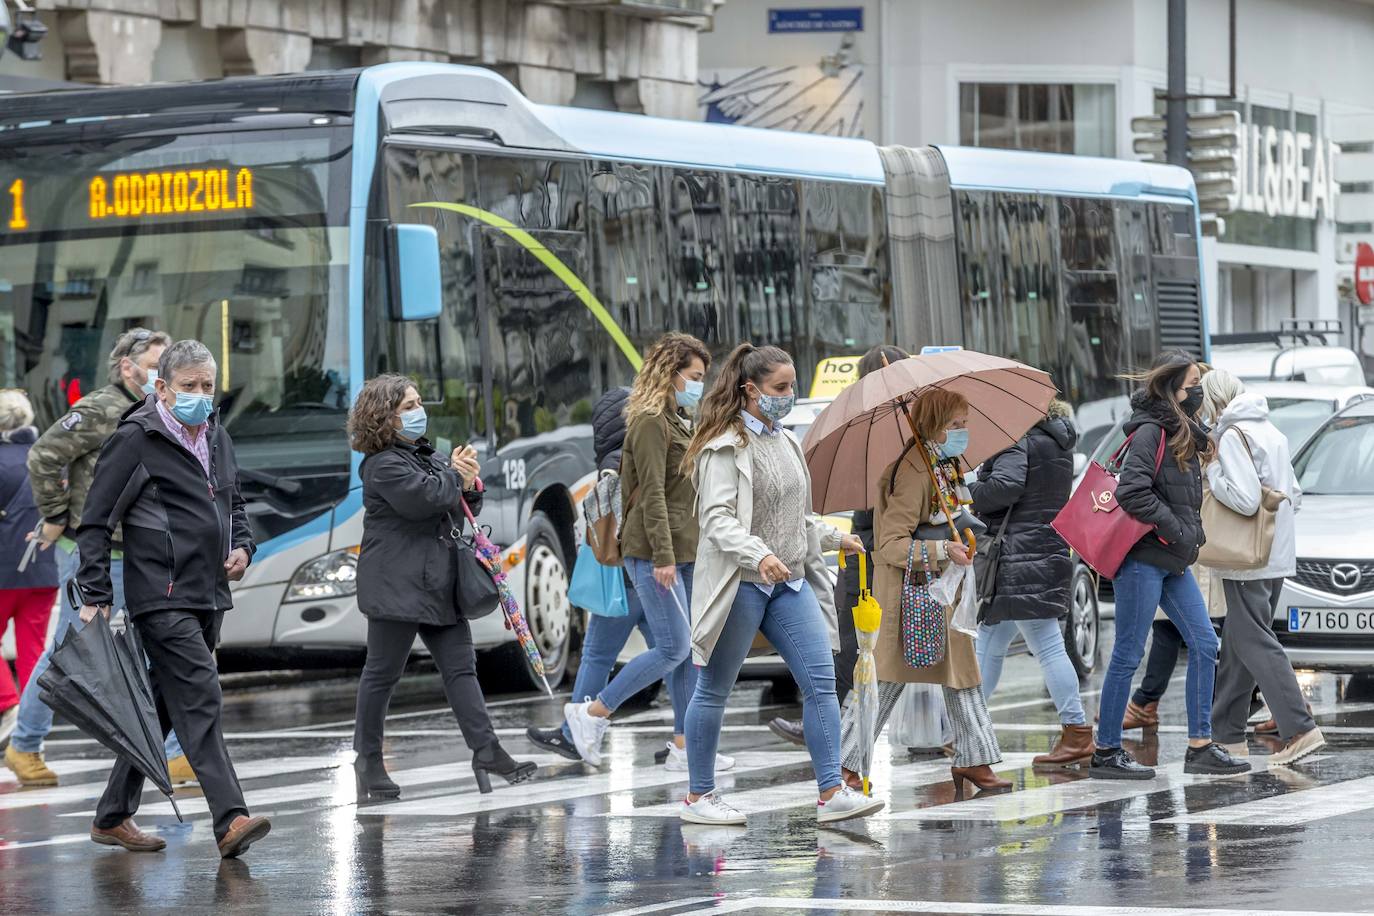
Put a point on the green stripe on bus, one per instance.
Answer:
(560, 270)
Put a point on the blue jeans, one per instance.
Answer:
(1140, 588)
(35, 718)
(670, 657)
(793, 623)
(606, 636)
(1046, 641)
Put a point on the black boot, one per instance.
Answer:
(370, 775)
(494, 759)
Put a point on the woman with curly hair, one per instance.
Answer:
(658, 540)
(407, 568)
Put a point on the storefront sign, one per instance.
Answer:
(1285, 173)
(822, 19)
(1364, 274)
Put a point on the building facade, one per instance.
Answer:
(631, 55)
(1068, 76)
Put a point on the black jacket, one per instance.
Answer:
(408, 562)
(19, 516)
(1170, 500)
(608, 428)
(179, 526)
(1031, 481)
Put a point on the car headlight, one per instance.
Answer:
(333, 575)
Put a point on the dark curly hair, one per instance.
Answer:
(371, 422)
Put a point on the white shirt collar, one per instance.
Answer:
(756, 426)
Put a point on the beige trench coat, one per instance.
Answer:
(895, 517)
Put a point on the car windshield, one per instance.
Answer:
(1299, 418)
(1340, 460)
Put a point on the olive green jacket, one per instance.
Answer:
(660, 525)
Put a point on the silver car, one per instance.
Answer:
(1325, 618)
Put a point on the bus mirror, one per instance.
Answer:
(416, 283)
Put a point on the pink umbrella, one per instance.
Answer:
(863, 430)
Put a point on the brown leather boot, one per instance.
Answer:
(243, 832)
(129, 836)
(982, 777)
(1144, 717)
(1075, 745)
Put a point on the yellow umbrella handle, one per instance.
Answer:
(863, 573)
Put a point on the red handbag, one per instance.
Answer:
(1093, 523)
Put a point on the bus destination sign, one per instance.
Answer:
(130, 195)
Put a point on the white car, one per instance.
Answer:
(1315, 364)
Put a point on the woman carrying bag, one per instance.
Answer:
(908, 500)
(1252, 458)
(1018, 493)
(411, 573)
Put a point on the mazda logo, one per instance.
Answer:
(1346, 576)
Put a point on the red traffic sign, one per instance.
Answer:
(1364, 273)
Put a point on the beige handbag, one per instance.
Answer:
(1234, 541)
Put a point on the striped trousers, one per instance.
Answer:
(975, 742)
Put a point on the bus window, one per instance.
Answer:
(697, 252)
(1097, 348)
(1133, 228)
(629, 249)
(767, 245)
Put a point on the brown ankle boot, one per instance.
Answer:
(982, 777)
(1075, 745)
(853, 780)
(1145, 717)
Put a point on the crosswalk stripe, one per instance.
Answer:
(1290, 809)
(1045, 800)
(802, 792)
(252, 769)
(723, 904)
(558, 790)
(62, 768)
(338, 790)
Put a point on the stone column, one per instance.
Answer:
(253, 51)
(109, 47)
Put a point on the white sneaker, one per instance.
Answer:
(1309, 742)
(677, 760)
(710, 809)
(845, 804)
(587, 730)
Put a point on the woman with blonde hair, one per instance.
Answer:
(658, 540)
(922, 487)
(759, 558)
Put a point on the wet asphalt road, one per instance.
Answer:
(574, 840)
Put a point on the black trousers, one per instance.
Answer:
(846, 596)
(1165, 643)
(388, 647)
(186, 688)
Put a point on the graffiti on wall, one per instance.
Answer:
(812, 99)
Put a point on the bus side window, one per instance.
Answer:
(697, 256)
(629, 248)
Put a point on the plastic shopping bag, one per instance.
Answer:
(919, 718)
(957, 588)
(599, 589)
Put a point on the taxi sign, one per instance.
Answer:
(833, 375)
(927, 351)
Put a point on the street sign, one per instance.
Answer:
(927, 351)
(820, 19)
(1213, 139)
(1364, 273)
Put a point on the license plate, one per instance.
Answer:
(1330, 620)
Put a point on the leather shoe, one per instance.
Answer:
(129, 836)
(243, 832)
(788, 730)
(1075, 745)
(1116, 763)
(1143, 717)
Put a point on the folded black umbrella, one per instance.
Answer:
(98, 680)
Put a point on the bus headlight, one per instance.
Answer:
(333, 575)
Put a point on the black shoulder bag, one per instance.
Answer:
(474, 589)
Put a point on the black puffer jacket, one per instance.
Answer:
(1170, 499)
(608, 428)
(1031, 481)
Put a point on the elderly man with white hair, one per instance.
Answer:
(1253, 455)
(168, 477)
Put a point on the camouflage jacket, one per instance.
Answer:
(62, 461)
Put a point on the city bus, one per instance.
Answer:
(515, 259)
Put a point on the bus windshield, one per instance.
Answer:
(236, 239)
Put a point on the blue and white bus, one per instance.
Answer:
(515, 258)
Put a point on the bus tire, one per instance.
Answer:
(547, 609)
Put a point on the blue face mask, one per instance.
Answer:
(690, 396)
(193, 409)
(151, 385)
(414, 423)
(955, 444)
(776, 406)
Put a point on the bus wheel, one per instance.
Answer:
(547, 609)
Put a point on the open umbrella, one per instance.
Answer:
(867, 616)
(97, 678)
(866, 427)
(489, 555)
